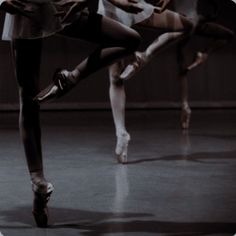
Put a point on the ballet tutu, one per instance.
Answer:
(107, 9)
(44, 21)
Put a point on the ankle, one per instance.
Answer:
(74, 75)
(141, 57)
(123, 134)
(38, 179)
(185, 107)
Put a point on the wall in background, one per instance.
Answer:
(157, 85)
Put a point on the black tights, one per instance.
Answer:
(219, 34)
(27, 54)
(114, 40)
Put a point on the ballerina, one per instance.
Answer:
(210, 22)
(119, 72)
(176, 27)
(33, 21)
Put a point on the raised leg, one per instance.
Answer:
(114, 39)
(117, 98)
(176, 27)
(200, 58)
(220, 36)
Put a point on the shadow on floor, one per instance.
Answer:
(202, 157)
(152, 226)
(91, 223)
(22, 215)
(230, 137)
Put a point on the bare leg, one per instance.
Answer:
(176, 27)
(171, 22)
(117, 98)
(185, 107)
(27, 61)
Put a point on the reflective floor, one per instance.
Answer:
(175, 183)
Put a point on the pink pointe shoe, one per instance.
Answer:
(121, 150)
(200, 58)
(185, 117)
(131, 69)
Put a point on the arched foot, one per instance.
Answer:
(199, 59)
(121, 150)
(185, 117)
(136, 65)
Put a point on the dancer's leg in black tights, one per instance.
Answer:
(114, 42)
(27, 54)
(219, 35)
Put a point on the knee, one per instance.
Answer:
(188, 25)
(133, 40)
(28, 106)
(115, 79)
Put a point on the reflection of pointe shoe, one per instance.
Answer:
(61, 84)
(41, 197)
(122, 147)
(185, 117)
(200, 58)
(131, 69)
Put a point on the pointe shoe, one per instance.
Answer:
(122, 148)
(185, 117)
(200, 58)
(131, 69)
(41, 197)
(61, 84)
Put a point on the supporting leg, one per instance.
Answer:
(27, 55)
(117, 98)
(185, 107)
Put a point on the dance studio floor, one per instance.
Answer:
(176, 183)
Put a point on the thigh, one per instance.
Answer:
(214, 30)
(27, 55)
(167, 20)
(100, 29)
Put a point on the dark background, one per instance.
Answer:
(211, 85)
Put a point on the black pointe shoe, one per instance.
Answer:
(40, 209)
(61, 84)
